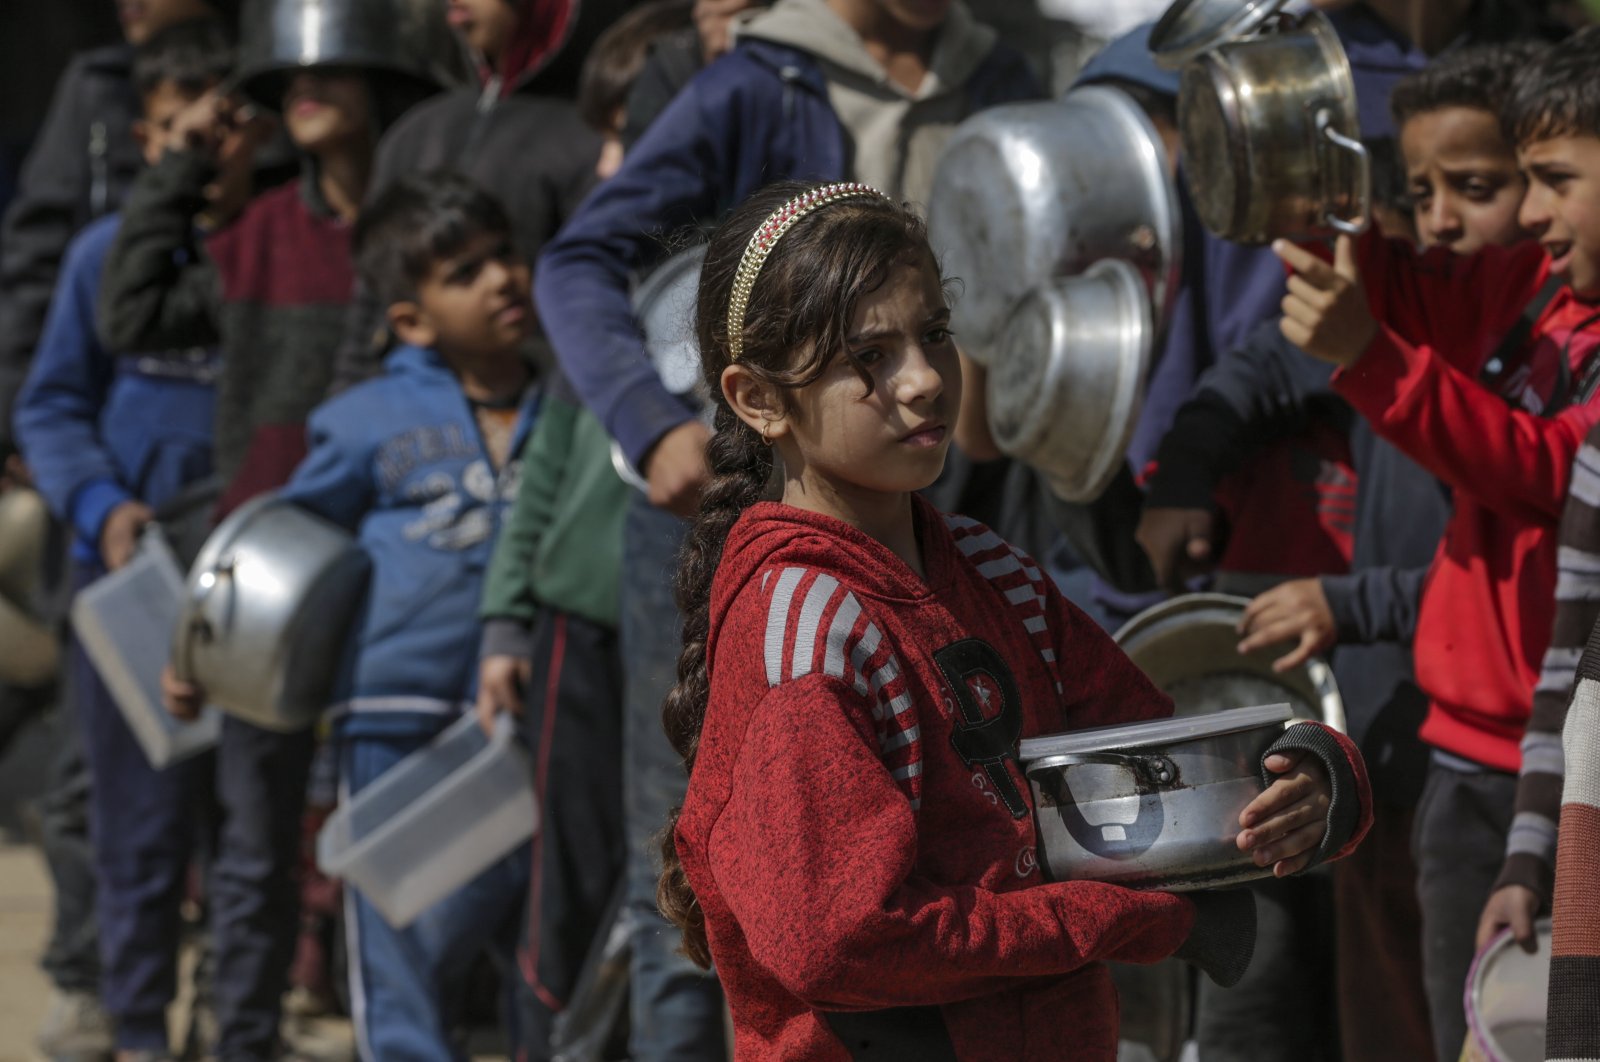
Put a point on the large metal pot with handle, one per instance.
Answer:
(1152, 805)
(1267, 114)
(270, 603)
(1033, 191)
(1067, 381)
(1188, 647)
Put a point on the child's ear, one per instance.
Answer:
(755, 402)
(410, 324)
(141, 137)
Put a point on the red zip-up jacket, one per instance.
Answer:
(1489, 600)
(858, 839)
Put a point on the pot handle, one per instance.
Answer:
(196, 624)
(1151, 771)
(1353, 226)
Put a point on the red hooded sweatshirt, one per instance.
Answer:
(1490, 597)
(857, 830)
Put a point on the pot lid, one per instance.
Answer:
(1156, 732)
(1191, 27)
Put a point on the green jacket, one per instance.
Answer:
(562, 546)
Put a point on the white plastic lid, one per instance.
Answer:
(1169, 731)
(1192, 27)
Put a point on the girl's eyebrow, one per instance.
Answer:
(938, 316)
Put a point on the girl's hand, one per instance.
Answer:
(1283, 827)
(501, 680)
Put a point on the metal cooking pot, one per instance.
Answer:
(1066, 387)
(1031, 191)
(1267, 113)
(1152, 805)
(1507, 992)
(1188, 647)
(270, 601)
(409, 38)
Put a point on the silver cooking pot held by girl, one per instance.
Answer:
(1029, 192)
(1267, 114)
(269, 606)
(1152, 805)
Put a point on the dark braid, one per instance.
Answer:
(799, 314)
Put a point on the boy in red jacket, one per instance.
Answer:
(1412, 337)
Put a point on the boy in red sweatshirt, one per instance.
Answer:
(1412, 336)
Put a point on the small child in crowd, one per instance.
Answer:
(109, 439)
(1412, 337)
(857, 850)
(420, 465)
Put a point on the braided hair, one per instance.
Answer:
(799, 314)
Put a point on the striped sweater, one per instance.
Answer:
(1531, 844)
(857, 829)
(1572, 1032)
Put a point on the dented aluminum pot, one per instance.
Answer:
(1267, 114)
(1067, 382)
(1030, 192)
(1152, 805)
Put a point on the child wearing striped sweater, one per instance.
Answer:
(857, 850)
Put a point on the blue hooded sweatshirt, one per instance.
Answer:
(399, 462)
(98, 429)
(757, 115)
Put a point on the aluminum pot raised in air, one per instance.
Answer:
(1067, 380)
(1267, 114)
(1030, 192)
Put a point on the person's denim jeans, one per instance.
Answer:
(676, 1007)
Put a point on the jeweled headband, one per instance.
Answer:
(766, 238)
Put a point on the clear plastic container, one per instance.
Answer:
(124, 621)
(434, 821)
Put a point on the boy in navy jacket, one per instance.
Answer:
(110, 437)
(419, 464)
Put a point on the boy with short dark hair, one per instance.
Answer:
(420, 464)
(109, 439)
(1411, 337)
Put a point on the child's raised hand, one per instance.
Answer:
(1284, 826)
(1325, 312)
(501, 680)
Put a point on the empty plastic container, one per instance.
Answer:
(124, 621)
(435, 821)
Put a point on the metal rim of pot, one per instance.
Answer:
(1190, 28)
(1216, 81)
(1049, 310)
(1483, 964)
(1226, 609)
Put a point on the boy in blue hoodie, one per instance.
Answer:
(110, 438)
(420, 465)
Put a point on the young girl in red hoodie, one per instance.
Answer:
(857, 849)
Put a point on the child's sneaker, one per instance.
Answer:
(76, 1028)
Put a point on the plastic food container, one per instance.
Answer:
(124, 623)
(434, 822)
(1151, 805)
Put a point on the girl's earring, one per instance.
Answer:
(765, 441)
